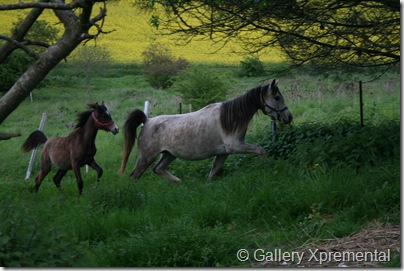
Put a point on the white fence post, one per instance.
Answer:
(146, 108)
(34, 151)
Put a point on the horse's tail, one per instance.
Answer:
(35, 139)
(135, 118)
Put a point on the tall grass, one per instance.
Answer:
(323, 177)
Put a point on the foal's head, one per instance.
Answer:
(102, 118)
(274, 104)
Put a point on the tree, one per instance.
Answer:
(18, 61)
(90, 61)
(77, 19)
(350, 32)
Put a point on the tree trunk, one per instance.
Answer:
(76, 30)
(35, 74)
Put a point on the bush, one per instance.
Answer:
(12, 68)
(251, 67)
(337, 143)
(26, 243)
(200, 86)
(160, 65)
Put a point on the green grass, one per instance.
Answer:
(279, 201)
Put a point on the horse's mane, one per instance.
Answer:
(83, 116)
(237, 113)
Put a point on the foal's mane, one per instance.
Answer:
(83, 116)
(237, 113)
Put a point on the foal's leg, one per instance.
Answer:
(38, 180)
(46, 166)
(217, 165)
(93, 164)
(160, 168)
(58, 177)
(79, 180)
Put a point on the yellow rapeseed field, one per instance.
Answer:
(132, 34)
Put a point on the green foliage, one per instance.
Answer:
(41, 31)
(12, 68)
(177, 244)
(200, 86)
(336, 143)
(18, 61)
(25, 243)
(251, 67)
(160, 65)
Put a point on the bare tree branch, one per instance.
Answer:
(40, 5)
(20, 45)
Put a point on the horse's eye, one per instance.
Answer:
(277, 98)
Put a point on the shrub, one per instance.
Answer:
(337, 143)
(12, 68)
(200, 86)
(160, 65)
(24, 242)
(251, 67)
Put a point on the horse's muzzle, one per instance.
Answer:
(113, 129)
(285, 117)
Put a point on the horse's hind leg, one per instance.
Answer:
(217, 165)
(142, 163)
(46, 165)
(45, 168)
(160, 168)
(58, 177)
(93, 164)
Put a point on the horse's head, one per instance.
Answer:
(102, 118)
(273, 103)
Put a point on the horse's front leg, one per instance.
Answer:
(79, 180)
(93, 164)
(242, 147)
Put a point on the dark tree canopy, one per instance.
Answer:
(354, 32)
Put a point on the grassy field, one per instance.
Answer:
(324, 177)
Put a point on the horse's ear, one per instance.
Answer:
(274, 86)
(92, 106)
(102, 103)
(274, 83)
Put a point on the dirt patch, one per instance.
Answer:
(373, 246)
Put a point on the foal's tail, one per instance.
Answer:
(35, 139)
(135, 118)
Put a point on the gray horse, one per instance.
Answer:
(217, 130)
